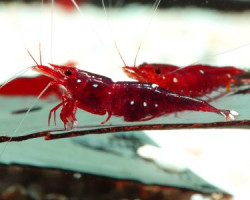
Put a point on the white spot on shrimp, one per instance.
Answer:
(132, 102)
(163, 77)
(95, 85)
(234, 113)
(109, 93)
(156, 105)
(154, 85)
(145, 104)
(78, 81)
(175, 80)
(229, 75)
(201, 71)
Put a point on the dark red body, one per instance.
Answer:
(141, 101)
(134, 101)
(193, 80)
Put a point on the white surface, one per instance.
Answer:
(179, 37)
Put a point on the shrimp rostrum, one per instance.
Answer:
(134, 101)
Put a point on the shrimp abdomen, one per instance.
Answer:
(142, 101)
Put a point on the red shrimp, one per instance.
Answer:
(134, 101)
(194, 80)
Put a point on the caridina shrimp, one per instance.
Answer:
(134, 101)
(194, 80)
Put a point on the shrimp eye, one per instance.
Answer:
(157, 71)
(67, 72)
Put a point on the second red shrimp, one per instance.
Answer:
(194, 80)
(134, 101)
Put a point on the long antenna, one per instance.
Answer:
(40, 53)
(221, 53)
(111, 33)
(26, 115)
(91, 27)
(15, 76)
(32, 57)
(34, 102)
(32, 105)
(227, 51)
(154, 9)
(52, 29)
(41, 24)
(38, 97)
